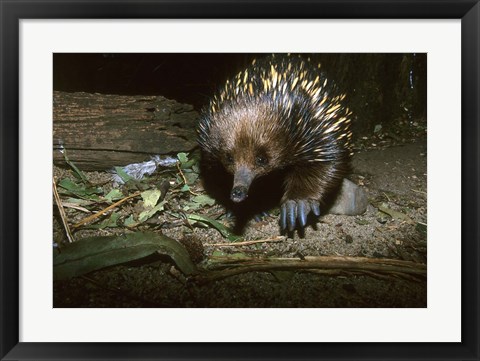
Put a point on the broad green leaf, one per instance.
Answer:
(70, 185)
(150, 213)
(185, 163)
(225, 231)
(94, 253)
(80, 190)
(151, 197)
(182, 157)
(113, 195)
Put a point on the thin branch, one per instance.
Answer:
(63, 216)
(103, 211)
(248, 243)
(416, 191)
(185, 180)
(363, 265)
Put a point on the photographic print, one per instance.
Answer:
(240, 180)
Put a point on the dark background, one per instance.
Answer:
(381, 88)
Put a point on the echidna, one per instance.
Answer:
(280, 114)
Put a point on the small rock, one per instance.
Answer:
(352, 200)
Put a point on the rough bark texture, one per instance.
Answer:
(101, 131)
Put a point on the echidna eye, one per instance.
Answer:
(229, 158)
(261, 160)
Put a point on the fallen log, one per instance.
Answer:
(100, 131)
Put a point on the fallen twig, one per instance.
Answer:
(248, 243)
(100, 213)
(63, 216)
(185, 180)
(416, 191)
(363, 265)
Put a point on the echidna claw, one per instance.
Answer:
(291, 214)
(302, 213)
(294, 214)
(315, 208)
(283, 217)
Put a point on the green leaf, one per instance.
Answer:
(189, 164)
(191, 177)
(122, 174)
(204, 200)
(186, 163)
(185, 188)
(151, 197)
(225, 231)
(80, 190)
(189, 206)
(150, 213)
(182, 157)
(77, 172)
(70, 185)
(94, 253)
(113, 195)
(129, 222)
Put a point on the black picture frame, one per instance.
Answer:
(12, 11)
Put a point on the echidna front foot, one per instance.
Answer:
(295, 212)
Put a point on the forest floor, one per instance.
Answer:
(394, 227)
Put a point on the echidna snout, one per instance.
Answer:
(239, 193)
(242, 179)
